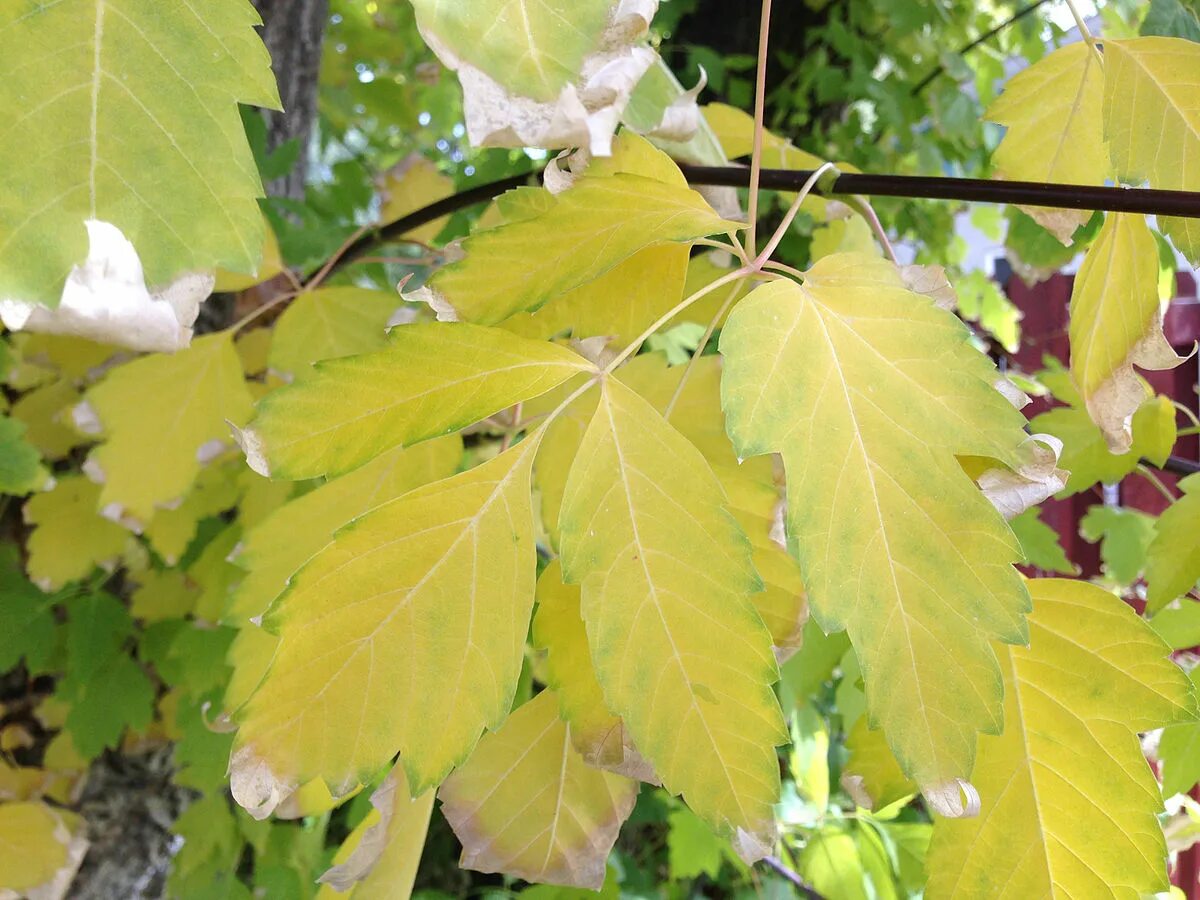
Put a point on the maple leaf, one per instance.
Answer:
(1173, 556)
(1055, 133)
(871, 392)
(433, 378)
(444, 575)
(679, 650)
(1069, 803)
(40, 849)
(69, 537)
(1116, 323)
(569, 813)
(164, 417)
(21, 469)
(327, 324)
(1152, 121)
(132, 106)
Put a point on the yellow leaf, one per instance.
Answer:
(681, 654)
(1055, 133)
(286, 539)
(270, 265)
(253, 348)
(215, 575)
(598, 736)
(870, 391)
(249, 657)
(327, 324)
(76, 359)
(69, 537)
(216, 490)
(439, 581)
(413, 184)
(1069, 802)
(590, 228)
(163, 417)
(433, 378)
(1116, 323)
(46, 412)
(1173, 557)
(162, 594)
(620, 304)
(378, 861)
(37, 849)
(567, 814)
(703, 270)
(872, 777)
(1152, 121)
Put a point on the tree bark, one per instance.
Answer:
(293, 31)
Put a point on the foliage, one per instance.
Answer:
(518, 558)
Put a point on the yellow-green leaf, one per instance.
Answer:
(288, 537)
(1116, 323)
(1069, 803)
(1173, 558)
(216, 490)
(69, 537)
(1152, 121)
(378, 861)
(21, 469)
(870, 391)
(46, 413)
(679, 650)
(432, 379)
(590, 228)
(872, 777)
(527, 805)
(1055, 133)
(34, 847)
(128, 116)
(413, 184)
(440, 580)
(598, 736)
(163, 417)
(327, 324)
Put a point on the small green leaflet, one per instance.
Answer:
(26, 617)
(128, 114)
(20, 465)
(1040, 545)
(1173, 557)
(1124, 536)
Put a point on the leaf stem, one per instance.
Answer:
(765, 256)
(863, 207)
(774, 862)
(736, 249)
(1187, 412)
(1083, 30)
(1146, 473)
(787, 270)
(691, 363)
(260, 310)
(760, 102)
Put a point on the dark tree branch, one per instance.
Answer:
(799, 883)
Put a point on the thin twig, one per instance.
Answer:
(863, 207)
(760, 103)
(1149, 475)
(260, 310)
(789, 216)
(1187, 412)
(774, 862)
(1084, 32)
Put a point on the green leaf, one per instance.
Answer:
(1152, 121)
(163, 417)
(432, 379)
(327, 324)
(440, 580)
(871, 392)
(1173, 557)
(535, 49)
(21, 468)
(1179, 751)
(130, 117)
(1069, 804)
(693, 848)
(1040, 546)
(26, 617)
(105, 687)
(830, 862)
(1172, 18)
(569, 813)
(679, 649)
(1178, 625)
(1124, 536)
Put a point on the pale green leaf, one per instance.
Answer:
(34, 846)
(679, 650)
(1179, 751)
(163, 417)
(1069, 805)
(870, 392)
(21, 469)
(693, 848)
(1124, 536)
(872, 776)
(1152, 121)
(129, 116)
(1040, 546)
(440, 580)
(69, 537)
(327, 324)
(527, 805)
(432, 379)
(1173, 558)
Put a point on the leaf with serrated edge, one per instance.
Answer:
(379, 859)
(35, 847)
(1116, 323)
(327, 324)
(433, 378)
(1173, 558)
(69, 537)
(130, 117)
(870, 391)
(441, 577)
(1152, 121)
(527, 805)
(596, 224)
(286, 539)
(21, 469)
(1055, 133)
(679, 649)
(163, 418)
(1069, 803)
(598, 736)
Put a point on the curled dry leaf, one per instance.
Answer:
(1036, 478)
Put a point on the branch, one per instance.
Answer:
(775, 863)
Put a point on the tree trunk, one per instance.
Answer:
(293, 31)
